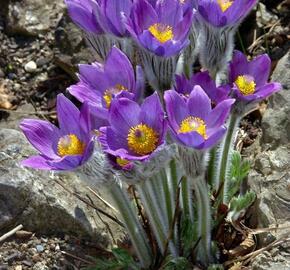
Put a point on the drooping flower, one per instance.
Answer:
(101, 83)
(249, 78)
(220, 13)
(135, 132)
(63, 148)
(161, 28)
(193, 122)
(82, 13)
(203, 79)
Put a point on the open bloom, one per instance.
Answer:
(220, 13)
(81, 12)
(203, 79)
(250, 78)
(135, 132)
(101, 83)
(193, 122)
(161, 28)
(63, 148)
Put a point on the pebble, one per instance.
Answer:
(18, 267)
(39, 248)
(30, 67)
(12, 76)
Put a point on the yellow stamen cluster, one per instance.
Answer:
(122, 162)
(108, 95)
(70, 145)
(142, 139)
(225, 4)
(191, 123)
(245, 85)
(161, 32)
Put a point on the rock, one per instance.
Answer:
(270, 176)
(70, 47)
(39, 248)
(34, 199)
(30, 67)
(276, 121)
(33, 17)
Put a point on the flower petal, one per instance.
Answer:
(199, 104)
(176, 108)
(37, 162)
(42, 135)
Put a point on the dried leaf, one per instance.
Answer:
(247, 246)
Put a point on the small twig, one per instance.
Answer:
(28, 113)
(75, 257)
(101, 199)
(10, 233)
(91, 205)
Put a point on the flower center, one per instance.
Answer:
(70, 145)
(225, 4)
(122, 162)
(191, 123)
(142, 139)
(246, 84)
(161, 32)
(111, 92)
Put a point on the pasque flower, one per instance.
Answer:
(109, 14)
(63, 148)
(101, 83)
(249, 78)
(135, 132)
(184, 86)
(193, 122)
(82, 13)
(220, 13)
(161, 28)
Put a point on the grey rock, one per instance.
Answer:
(276, 121)
(270, 176)
(39, 248)
(34, 199)
(33, 17)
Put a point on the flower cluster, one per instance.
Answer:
(148, 41)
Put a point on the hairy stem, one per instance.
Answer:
(132, 224)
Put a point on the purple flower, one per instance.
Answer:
(63, 148)
(186, 4)
(101, 83)
(221, 13)
(109, 14)
(135, 132)
(216, 94)
(162, 28)
(250, 78)
(81, 12)
(193, 122)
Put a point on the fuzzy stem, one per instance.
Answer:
(156, 218)
(204, 222)
(186, 199)
(132, 224)
(226, 148)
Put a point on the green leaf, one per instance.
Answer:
(122, 260)
(179, 263)
(215, 267)
(188, 235)
(238, 205)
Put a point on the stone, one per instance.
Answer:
(33, 198)
(276, 120)
(33, 17)
(30, 67)
(270, 175)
